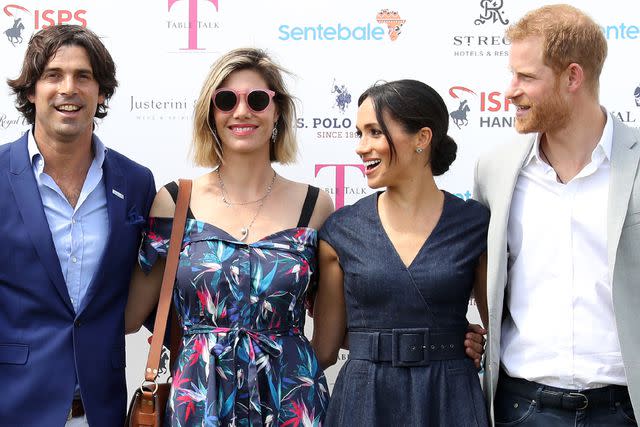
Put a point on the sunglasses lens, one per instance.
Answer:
(258, 100)
(225, 100)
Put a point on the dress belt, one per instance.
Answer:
(407, 347)
(560, 398)
(236, 360)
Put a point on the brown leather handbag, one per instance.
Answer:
(148, 403)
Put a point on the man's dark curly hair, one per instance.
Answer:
(43, 46)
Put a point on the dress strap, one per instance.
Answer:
(172, 188)
(308, 206)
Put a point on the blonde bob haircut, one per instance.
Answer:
(206, 148)
(569, 36)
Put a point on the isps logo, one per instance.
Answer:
(489, 103)
(40, 18)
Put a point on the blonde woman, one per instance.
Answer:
(247, 259)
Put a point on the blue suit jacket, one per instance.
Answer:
(44, 344)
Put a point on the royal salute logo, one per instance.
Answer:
(483, 36)
(393, 21)
(629, 116)
(13, 119)
(198, 20)
(22, 22)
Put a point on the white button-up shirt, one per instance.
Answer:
(80, 233)
(560, 327)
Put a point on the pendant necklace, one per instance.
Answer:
(244, 231)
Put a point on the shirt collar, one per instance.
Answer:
(603, 147)
(37, 160)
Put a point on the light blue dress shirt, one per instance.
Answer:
(80, 233)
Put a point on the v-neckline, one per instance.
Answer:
(427, 239)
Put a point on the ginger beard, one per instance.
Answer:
(551, 113)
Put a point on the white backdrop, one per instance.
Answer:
(163, 49)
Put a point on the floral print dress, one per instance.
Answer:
(244, 360)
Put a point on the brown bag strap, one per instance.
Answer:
(168, 279)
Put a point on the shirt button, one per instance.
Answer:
(74, 259)
(73, 221)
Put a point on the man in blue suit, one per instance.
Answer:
(71, 215)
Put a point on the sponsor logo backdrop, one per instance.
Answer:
(335, 50)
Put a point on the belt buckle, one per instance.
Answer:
(586, 400)
(410, 347)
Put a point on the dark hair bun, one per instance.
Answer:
(443, 154)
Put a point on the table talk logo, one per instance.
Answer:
(636, 95)
(485, 37)
(491, 108)
(22, 22)
(195, 23)
(344, 191)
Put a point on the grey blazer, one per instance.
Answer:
(495, 178)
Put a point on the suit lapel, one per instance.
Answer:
(625, 153)
(504, 182)
(27, 197)
(116, 192)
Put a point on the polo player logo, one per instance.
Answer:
(343, 97)
(491, 12)
(459, 116)
(14, 34)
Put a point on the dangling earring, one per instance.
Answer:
(274, 133)
(419, 150)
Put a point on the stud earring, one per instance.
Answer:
(419, 150)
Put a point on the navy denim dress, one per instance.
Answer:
(386, 299)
